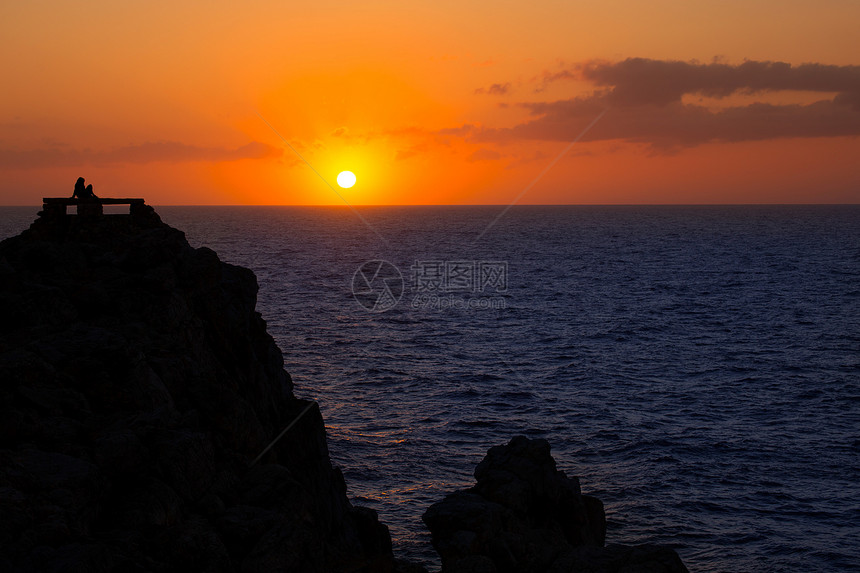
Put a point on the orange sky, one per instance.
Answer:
(432, 102)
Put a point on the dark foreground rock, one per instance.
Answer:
(524, 515)
(137, 385)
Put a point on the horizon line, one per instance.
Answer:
(337, 205)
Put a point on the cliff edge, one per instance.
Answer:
(137, 386)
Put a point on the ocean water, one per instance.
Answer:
(697, 367)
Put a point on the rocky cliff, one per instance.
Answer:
(137, 386)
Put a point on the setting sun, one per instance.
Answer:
(346, 179)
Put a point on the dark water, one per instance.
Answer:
(697, 367)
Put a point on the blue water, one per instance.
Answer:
(697, 367)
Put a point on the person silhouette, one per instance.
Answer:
(79, 188)
(82, 192)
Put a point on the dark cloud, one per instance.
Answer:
(639, 81)
(495, 89)
(644, 99)
(164, 151)
(549, 77)
(681, 125)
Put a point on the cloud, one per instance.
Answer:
(484, 155)
(640, 81)
(495, 89)
(645, 102)
(548, 77)
(150, 152)
(681, 125)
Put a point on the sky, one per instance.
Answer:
(432, 102)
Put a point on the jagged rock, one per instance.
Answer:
(137, 383)
(525, 515)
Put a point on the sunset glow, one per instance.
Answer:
(433, 102)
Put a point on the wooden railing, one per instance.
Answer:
(93, 206)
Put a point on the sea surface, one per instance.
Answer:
(697, 367)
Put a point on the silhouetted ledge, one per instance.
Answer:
(56, 206)
(137, 385)
(523, 514)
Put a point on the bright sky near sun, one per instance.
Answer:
(428, 102)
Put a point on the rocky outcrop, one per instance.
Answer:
(137, 385)
(524, 515)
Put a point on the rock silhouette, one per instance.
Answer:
(138, 382)
(524, 515)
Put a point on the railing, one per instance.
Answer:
(92, 206)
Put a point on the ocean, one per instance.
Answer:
(698, 367)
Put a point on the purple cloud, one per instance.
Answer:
(644, 99)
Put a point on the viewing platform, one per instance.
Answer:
(56, 206)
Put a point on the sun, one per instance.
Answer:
(346, 179)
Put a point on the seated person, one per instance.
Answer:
(82, 192)
(79, 188)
